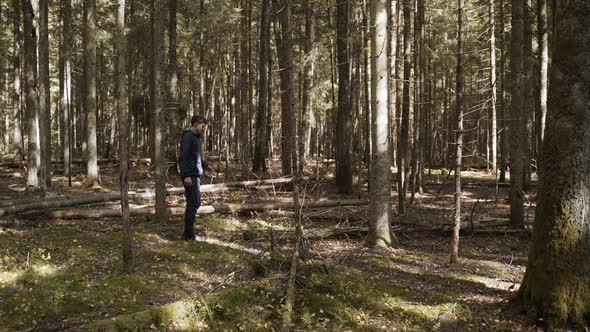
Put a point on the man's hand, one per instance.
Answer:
(188, 182)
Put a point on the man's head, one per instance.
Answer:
(198, 124)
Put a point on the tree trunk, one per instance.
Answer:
(543, 49)
(261, 148)
(529, 94)
(44, 96)
(92, 178)
(244, 87)
(66, 89)
(122, 114)
(16, 94)
(380, 183)
(405, 121)
(556, 285)
(306, 109)
(493, 86)
(459, 133)
(503, 109)
(285, 55)
(392, 38)
(344, 116)
(516, 122)
(32, 97)
(160, 167)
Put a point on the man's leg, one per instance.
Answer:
(192, 204)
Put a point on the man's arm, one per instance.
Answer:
(185, 156)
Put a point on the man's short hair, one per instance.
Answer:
(199, 119)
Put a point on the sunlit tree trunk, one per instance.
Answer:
(458, 133)
(405, 121)
(493, 85)
(44, 95)
(543, 49)
(556, 285)
(516, 124)
(32, 95)
(380, 179)
(122, 115)
(92, 178)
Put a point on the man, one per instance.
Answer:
(191, 170)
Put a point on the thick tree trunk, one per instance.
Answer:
(405, 121)
(122, 114)
(459, 133)
(516, 122)
(261, 148)
(92, 177)
(380, 180)
(160, 169)
(32, 95)
(344, 114)
(16, 92)
(556, 284)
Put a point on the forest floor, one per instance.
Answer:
(66, 274)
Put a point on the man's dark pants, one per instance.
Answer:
(193, 202)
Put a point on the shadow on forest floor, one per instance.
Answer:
(66, 275)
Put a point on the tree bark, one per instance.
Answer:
(261, 147)
(516, 123)
(306, 100)
(32, 97)
(343, 140)
(16, 92)
(459, 133)
(161, 212)
(543, 56)
(66, 89)
(405, 121)
(493, 85)
(244, 87)
(44, 96)
(122, 114)
(380, 180)
(503, 109)
(556, 285)
(92, 175)
(529, 92)
(285, 55)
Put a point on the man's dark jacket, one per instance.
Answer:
(191, 162)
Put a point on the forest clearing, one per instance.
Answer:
(294, 165)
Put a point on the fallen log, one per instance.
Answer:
(28, 204)
(224, 208)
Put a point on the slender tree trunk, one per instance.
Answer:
(306, 110)
(122, 114)
(556, 285)
(405, 121)
(542, 38)
(344, 115)
(32, 95)
(392, 22)
(459, 133)
(529, 93)
(380, 183)
(517, 140)
(66, 88)
(503, 109)
(261, 148)
(92, 178)
(285, 55)
(44, 94)
(493, 86)
(161, 213)
(16, 92)
(244, 89)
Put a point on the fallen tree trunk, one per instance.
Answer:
(61, 203)
(206, 209)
